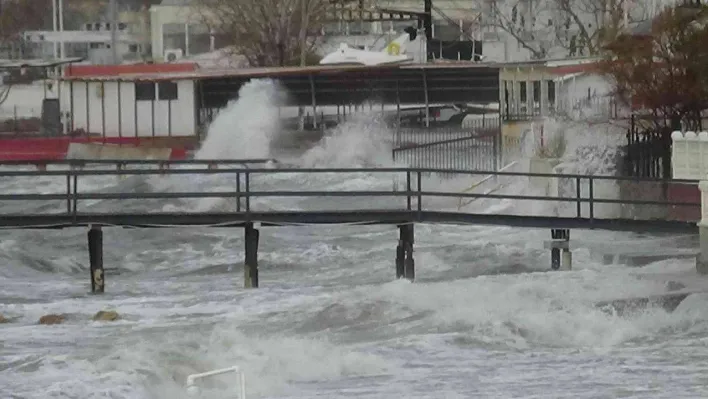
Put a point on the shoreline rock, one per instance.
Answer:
(106, 315)
(52, 319)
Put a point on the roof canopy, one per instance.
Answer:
(37, 63)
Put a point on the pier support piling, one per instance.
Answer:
(702, 257)
(250, 265)
(561, 257)
(95, 247)
(405, 263)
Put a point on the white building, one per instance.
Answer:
(177, 32)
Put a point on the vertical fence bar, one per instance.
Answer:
(577, 196)
(420, 193)
(408, 189)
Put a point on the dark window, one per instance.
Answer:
(536, 90)
(167, 90)
(522, 92)
(551, 91)
(144, 91)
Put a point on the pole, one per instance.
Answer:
(114, 22)
(61, 29)
(303, 32)
(54, 27)
(303, 55)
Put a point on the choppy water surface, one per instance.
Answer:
(484, 318)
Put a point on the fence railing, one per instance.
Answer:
(253, 190)
(476, 145)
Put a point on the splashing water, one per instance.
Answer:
(362, 141)
(246, 127)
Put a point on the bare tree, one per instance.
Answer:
(664, 71)
(266, 32)
(18, 16)
(563, 27)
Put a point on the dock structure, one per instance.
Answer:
(403, 207)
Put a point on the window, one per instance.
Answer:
(167, 90)
(133, 48)
(536, 90)
(551, 92)
(174, 36)
(199, 39)
(144, 91)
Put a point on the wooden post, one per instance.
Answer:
(95, 247)
(250, 266)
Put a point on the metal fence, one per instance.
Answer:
(476, 145)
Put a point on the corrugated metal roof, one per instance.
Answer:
(37, 63)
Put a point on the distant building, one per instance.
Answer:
(177, 32)
(93, 40)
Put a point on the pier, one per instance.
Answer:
(413, 199)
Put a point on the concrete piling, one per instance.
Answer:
(405, 263)
(702, 257)
(95, 248)
(250, 266)
(561, 257)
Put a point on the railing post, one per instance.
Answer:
(238, 191)
(248, 191)
(577, 197)
(68, 192)
(75, 199)
(420, 191)
(591, 197)
(409, 206)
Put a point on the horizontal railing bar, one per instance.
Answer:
(310, 194)
(443, 142)
(137, 161)
(555, 199)
(254, 171)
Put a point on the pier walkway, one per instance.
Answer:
(255, 193)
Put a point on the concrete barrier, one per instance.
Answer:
(689, 155)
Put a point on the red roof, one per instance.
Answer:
(127, 69)
(158, 72)
(577, 68)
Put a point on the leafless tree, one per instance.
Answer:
(563, 27)
(18, 16)
(663, 72)
(266, 32)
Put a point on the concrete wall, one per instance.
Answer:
(169, 118)
(689, 155)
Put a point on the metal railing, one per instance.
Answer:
(246, 184)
